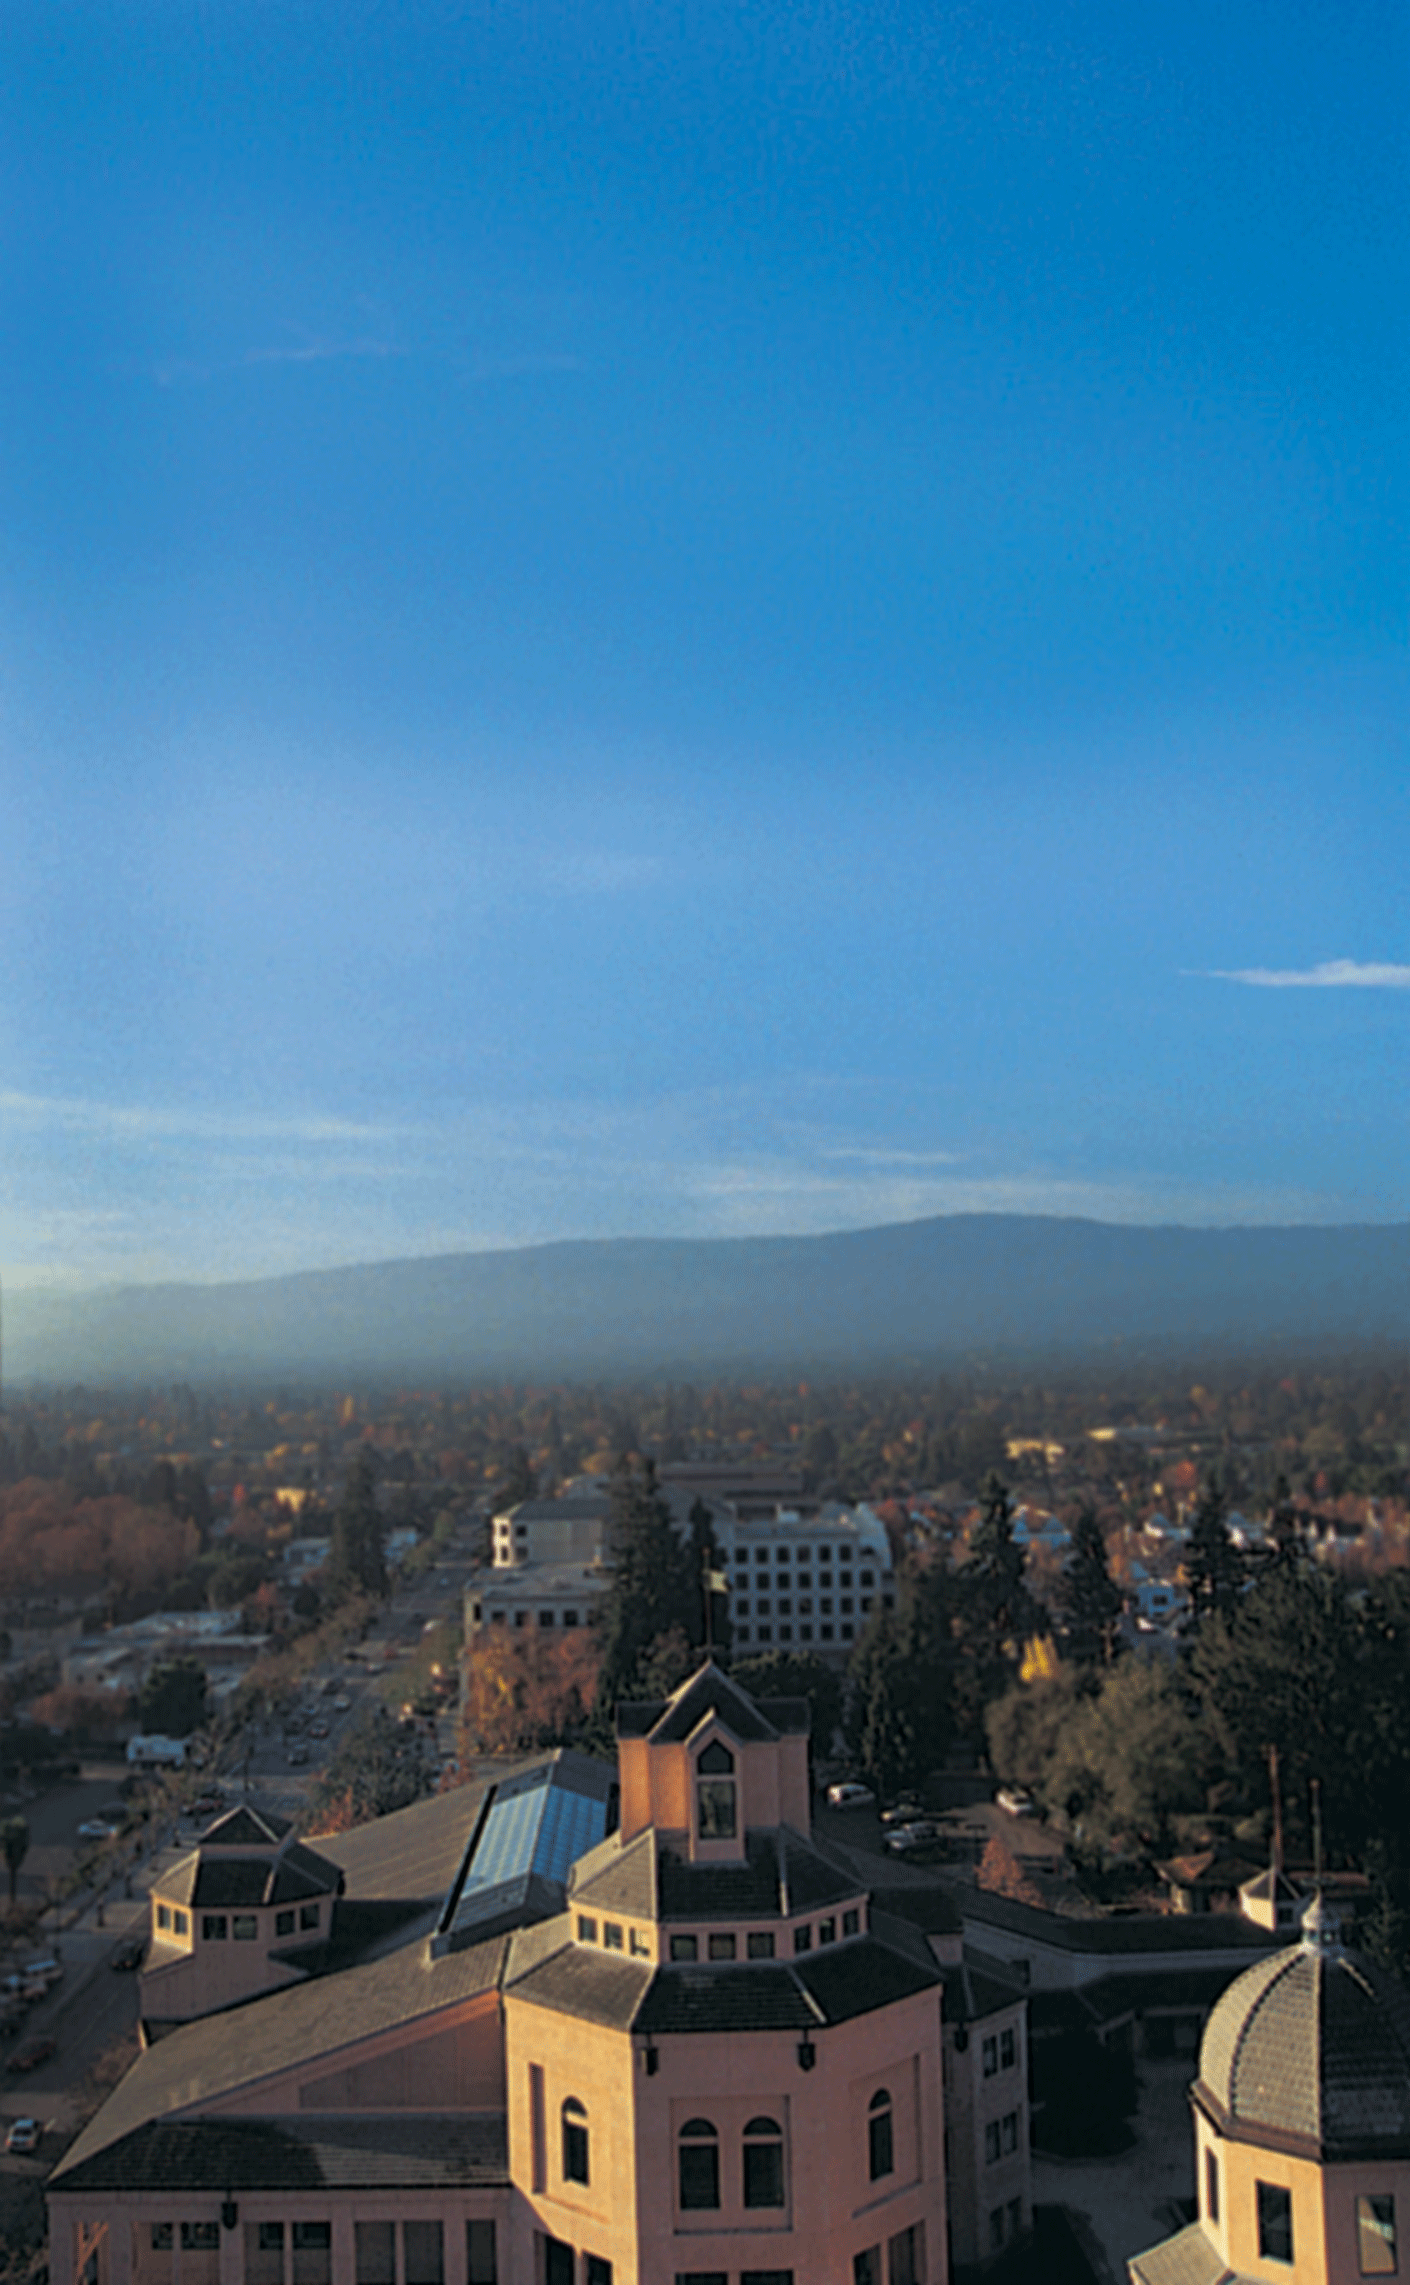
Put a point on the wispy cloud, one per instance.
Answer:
(145, 1122)
(174, 372)
(1328, 975)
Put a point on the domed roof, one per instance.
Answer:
(1314, 2043)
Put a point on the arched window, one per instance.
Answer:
(714, 1792)
(699, 2164)
(763, 2163)
(881, 2144)
(575, 2141)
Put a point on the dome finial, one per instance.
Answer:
(1321, 1927)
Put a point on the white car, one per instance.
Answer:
(97, 1829)
(24, 2135)
(850, 1795)
(1016, 1801)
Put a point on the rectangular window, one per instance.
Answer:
(375, 2253)
(545, 1618)
(283, 1923)
(785, 1608)
(162, 2237)
(827, 1931)
(637, 1944)
(701, 2277)
(1275, 2228)
(1008, 2048)
(722, 1947)
(313, 2253)
(423, 2251)
(685, 1948)
(557, 2262)
(538, 2129)
(905, 2257)
(851, 1923)
(764, 1633)
(990, 2052)
(214, 1927)
(570, 1618)
(1211, 2186)
(264, 2255)
(245, 1927)
(714, 1798)
(1375, 2236)
(761, 1944)
(699, 2176)
(587, 1928)
(612, 1935)
(846, 1632)
(575, 2144)
(308, 1915)
(996, 2229)
(1010, 2132)
(802, 1939)
(200, 2237)
(805, 1633)
(866, 2267)
(991, 2143)
(763, 2173)
(480, 2254)
(766, 2277)
(1014, 2210)
(163, 1915)
(599, 2272)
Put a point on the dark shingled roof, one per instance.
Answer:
(601, 1987)
(1188, 2258)
(750, 1998)
(617, 1878)
(847, 1980)
(1109, 1933)
(754, 1890)
(302, 2152)
(1312, 2048)
(669, 1721)
(245, 1828)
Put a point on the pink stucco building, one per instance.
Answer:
(721, 2064)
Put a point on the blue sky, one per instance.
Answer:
(658, 619)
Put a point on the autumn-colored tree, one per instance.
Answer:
(528, 1689)
(1002, 1875)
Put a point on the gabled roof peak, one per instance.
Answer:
(710, 1692)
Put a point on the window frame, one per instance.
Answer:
(881, 2136)
(574, 2150)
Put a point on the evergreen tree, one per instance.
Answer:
(900, 1713)
(356, 1555)
(995, 1609)
(1091, 1599)
(1215, 1567)
(653, 1585)
(172, 1699)
(14, 1842)
(714, 1608)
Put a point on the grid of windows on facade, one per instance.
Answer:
(760, 1943)
(905, 2260)
(1005, 2224)
(168, 1917)
(1000, 2052)
(1000, 2137)
(612, 1936)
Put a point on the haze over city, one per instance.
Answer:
(691, 623)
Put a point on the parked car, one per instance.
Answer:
(850, 1795)
(98, 1829)
(298, 1755)
(341, 1704)
(130, 1953)
(902, 1839)
(318, 1729)
(1016, 1801)
(903, 1811)
(46, 1971)
(24, 2135)
(32, 2054)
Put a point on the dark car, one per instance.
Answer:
(33, 2053)
(130, 1953)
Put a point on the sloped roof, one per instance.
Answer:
(670, 1721)
(1313, 2047)
(618, 1877)
(302, 2152)
(1188, 2258)
(782, 1872)
(246, 1827)
(204, 2061)
(414, 1853)
(521, 1850)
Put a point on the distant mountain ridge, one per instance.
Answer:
(912, 1293)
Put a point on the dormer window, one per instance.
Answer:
(714, 1793)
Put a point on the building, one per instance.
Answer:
(802, 1582)
(570, 1529)
(535, 1595)
(719, 2062)
(1302, 2124)
(242, 1914)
